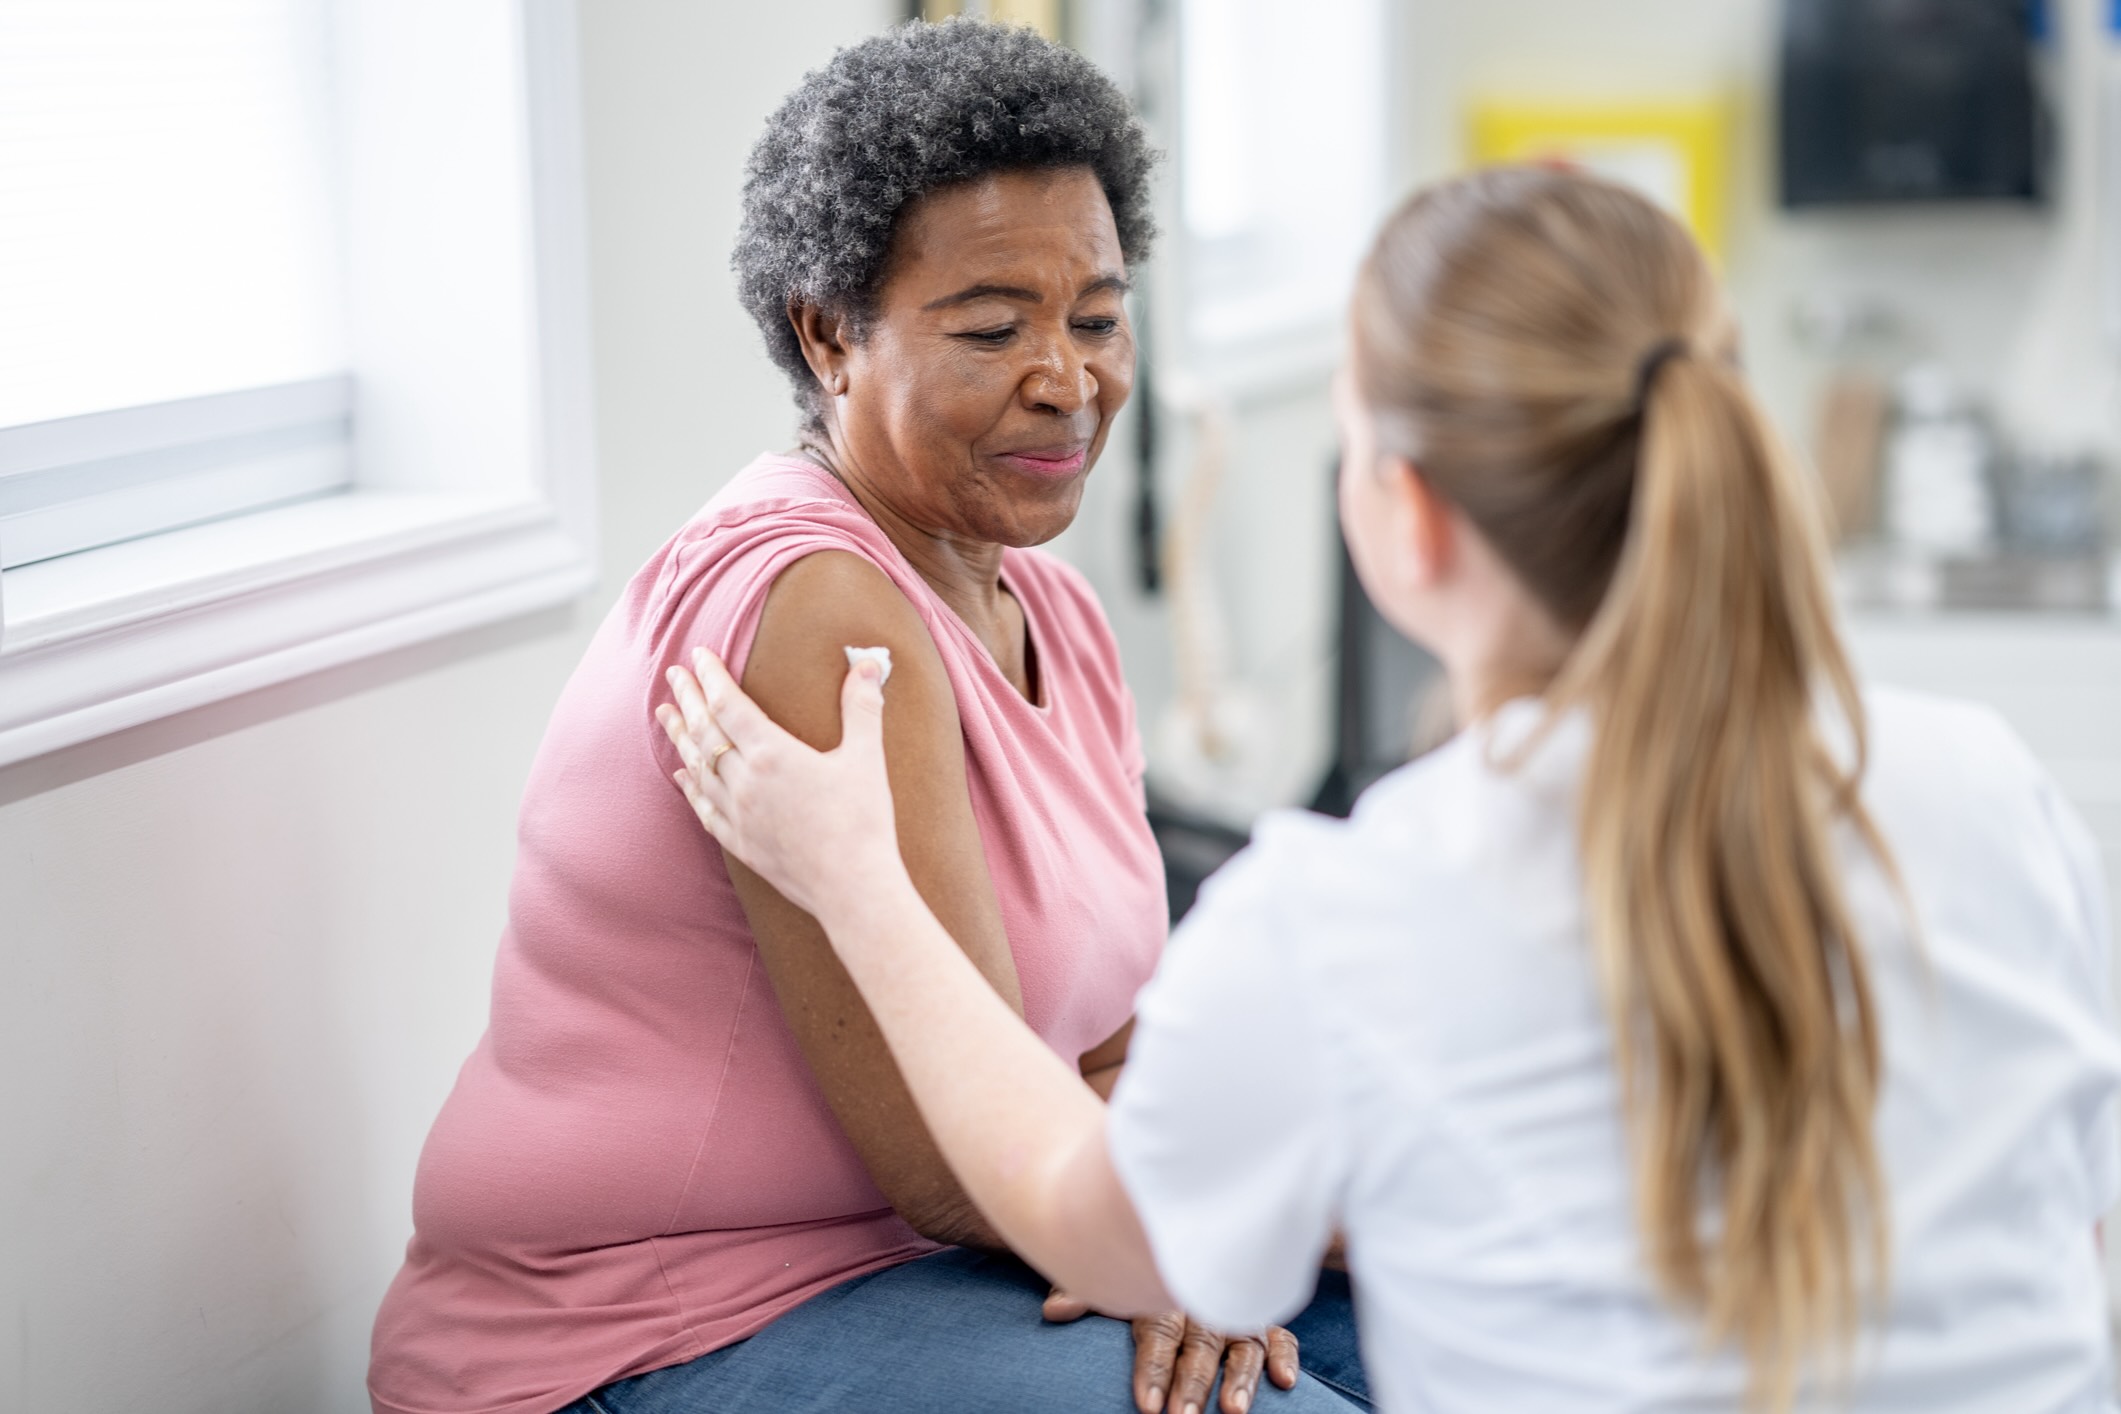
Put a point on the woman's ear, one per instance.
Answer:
(823, 337)
(1425, 519)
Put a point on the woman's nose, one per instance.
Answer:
(1060, 382)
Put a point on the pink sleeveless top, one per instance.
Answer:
(635, 1166)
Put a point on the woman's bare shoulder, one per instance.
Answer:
(821, 605)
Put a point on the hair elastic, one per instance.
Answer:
(1653, 363)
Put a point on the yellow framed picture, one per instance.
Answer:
(1675, 151)
(1045, 16)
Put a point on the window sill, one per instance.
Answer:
(107, 639)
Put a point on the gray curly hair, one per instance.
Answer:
(895, 117)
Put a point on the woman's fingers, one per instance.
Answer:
(1200, 1356)
(1176, 1362)
(1282, 1365)
(1156, 1341)
(1061, 1308)
(1242, 1363)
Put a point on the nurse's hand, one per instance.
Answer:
(817, 825)
(1175, 1360)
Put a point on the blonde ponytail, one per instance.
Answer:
(1553, 355)
(1744, 1024)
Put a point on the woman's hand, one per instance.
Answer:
(1175, 1360)
(817, 825)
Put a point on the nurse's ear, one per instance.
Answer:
(1426, 524)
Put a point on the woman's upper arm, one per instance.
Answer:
(819, 606)
(1102, 1063)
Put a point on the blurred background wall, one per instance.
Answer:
(246, 948)
(2006, 297)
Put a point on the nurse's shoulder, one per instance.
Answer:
(1944, 750)
(1430, 854)
(1988, 847)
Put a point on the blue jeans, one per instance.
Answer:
(960, 1330)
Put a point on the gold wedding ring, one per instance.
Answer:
(714, 762)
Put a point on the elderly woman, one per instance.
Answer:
(681, 1171)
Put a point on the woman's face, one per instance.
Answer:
(998, 355)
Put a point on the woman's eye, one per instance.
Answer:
(994, 337)
(1097, 326)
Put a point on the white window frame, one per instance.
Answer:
(442, 529)
(1299, 349)
(81, 483)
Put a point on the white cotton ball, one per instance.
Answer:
(879, 656)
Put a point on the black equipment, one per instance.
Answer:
(1911, 101)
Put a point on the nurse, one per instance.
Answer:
(1695, 1030)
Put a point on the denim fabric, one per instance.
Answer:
(960, 1331)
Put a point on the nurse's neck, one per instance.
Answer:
(1495, 640)
(1507, 669)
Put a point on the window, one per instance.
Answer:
(171, 282)
(293, 342)
(1282, 170)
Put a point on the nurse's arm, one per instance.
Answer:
(1023, 1134)
(1017, 1125)
(1021, 1130)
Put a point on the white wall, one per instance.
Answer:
(2007, 298)
(242, 952)
(1273, 560)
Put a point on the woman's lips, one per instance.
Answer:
(1058, 461)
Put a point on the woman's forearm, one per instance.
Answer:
(1024, 1135)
